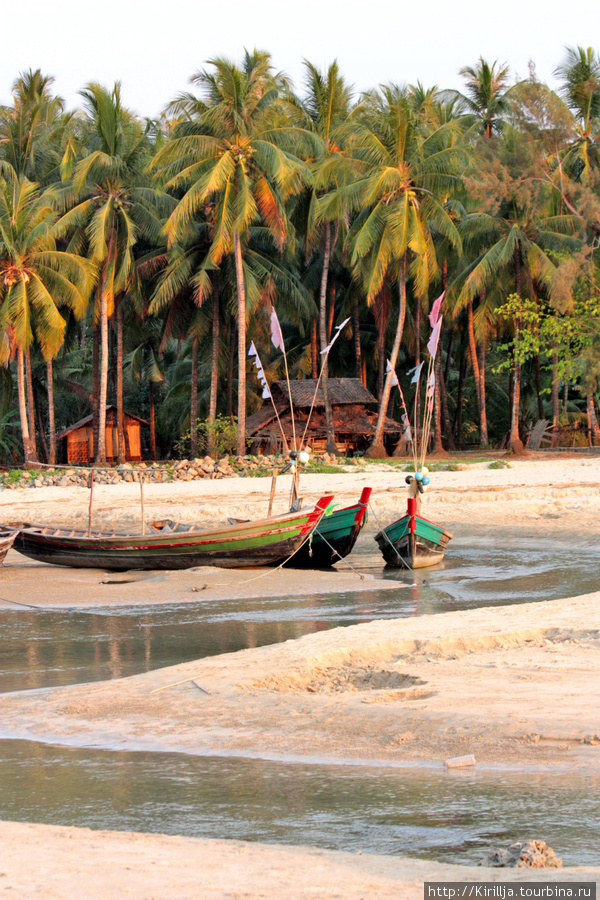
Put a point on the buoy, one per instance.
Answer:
(303, 456)
(426, 480)
(425, 470)
(408, 479)
(419, 476)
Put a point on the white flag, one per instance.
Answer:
(435, 336)
(338, 331)
(276, 335)
(394, 376)
(417, 373)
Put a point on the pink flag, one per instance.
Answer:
(435, 336)
(435, 310)
(431, 385)
(276, 335)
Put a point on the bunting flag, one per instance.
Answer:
(407, 435)
(417, 373)
(260, 372)
(276, 335)
(435, 310)
(435, 336)
(338, 331)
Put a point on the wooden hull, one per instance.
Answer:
(260, 543)
(7, 537)
(334, 537)
(413, 541)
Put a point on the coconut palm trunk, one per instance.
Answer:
(194, 400)
(241, 292)
(152, 421)
(593, 421)
(483, 428)
(28, 450)
(120, 429)
(214, 369)
(103, 386)
(323, 334)
(30, 403)
(356, 323)
(377, 449)
(51, 419)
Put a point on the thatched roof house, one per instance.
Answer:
(76, 444)
(354, 411)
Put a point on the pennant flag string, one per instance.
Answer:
(338, 331)
(435, 310)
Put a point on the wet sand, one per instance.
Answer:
(512, 685)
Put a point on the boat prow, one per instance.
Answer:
(413, 542)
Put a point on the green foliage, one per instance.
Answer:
(499, 464)
(222, 431)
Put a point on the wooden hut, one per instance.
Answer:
(354, 411)
(76, 444)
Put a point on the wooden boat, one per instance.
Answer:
(7, 537)
(334, 537)
(172, 545)
(413, 541)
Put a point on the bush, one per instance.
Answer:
(224, 438)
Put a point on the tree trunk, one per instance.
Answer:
(483, 428)
(314, 350)
(330, 447)
(51, 421)
(120, 430)
(377, 449)
(152, 421)
(516, 444)
(30, 403)
(593, 421)
(43, 455)
(538, 385)
(214, 369)
(356, 328)
(194, 400)
(555, 393)
(462, 372)
(28, 449)
(438, 447)
(102, 398)
(95, 388)
(241, 292)
(473, 349)
(230, 359)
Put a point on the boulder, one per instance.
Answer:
(525, 854)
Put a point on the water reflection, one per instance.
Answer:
(454, 817)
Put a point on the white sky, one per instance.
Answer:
(153, 47)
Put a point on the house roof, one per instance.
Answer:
(88, 419)
(341, 390)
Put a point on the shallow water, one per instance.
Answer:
(452, 817)
(55, 647)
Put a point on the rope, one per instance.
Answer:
(342, 558)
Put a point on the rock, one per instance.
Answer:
(460, 762)
(525, 854)
(591, 739)
(126, 465)
(128, 477)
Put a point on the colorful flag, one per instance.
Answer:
(435, 310)
(276, 335)
(435, 336)
(260, 372)
(431, 385)
(338, 331)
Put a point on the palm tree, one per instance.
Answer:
(237, 153)
(392, 182)
(485, 98)
(35, 279)
(111, 206)
(325, 108)
(580, 89)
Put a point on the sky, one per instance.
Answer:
(154, 47)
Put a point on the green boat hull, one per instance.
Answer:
(174, 546)
(334, 537)
(413, 542)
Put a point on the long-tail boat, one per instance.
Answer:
(334, 537)
(171, 545)
(413, 541)
(7, 537)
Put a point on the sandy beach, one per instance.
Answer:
(514, 685)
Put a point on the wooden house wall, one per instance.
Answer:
(80, 443)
